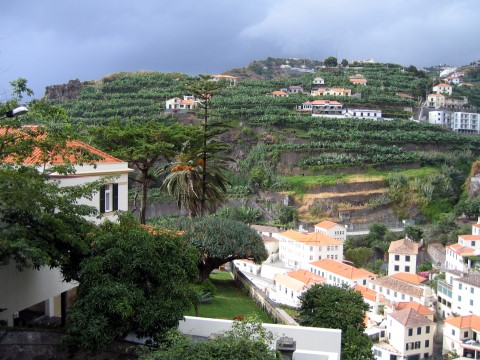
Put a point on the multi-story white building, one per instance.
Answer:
(410, 336)
(436, 101)
(332, 229)
(45, 287)
(338, 273)
(462, 335)
(297, 249)
(372, 114)
(289, 286)
(458, 294)
(443, 89)
(323, 107)
(462, 256)
(402, 257)
(442, 118)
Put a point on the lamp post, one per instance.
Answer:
(15, 112)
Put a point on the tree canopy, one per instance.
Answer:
(219, 241)
(135, 279)
(341, 308)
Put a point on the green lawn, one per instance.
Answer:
(230, 300)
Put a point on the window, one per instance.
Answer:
(311, 248)
(427, 343)
(427, 329)
(396, 268)
(397, 257)
(407, 257)
(459, 298)
(465, 334)
(418, 344)
(453, 331)
(459, 286)
(407, 269)
(108, 198)
(410, 332)
(419, 331)
(471, 290)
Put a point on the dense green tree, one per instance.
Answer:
(359, 256)
(344, 62)
(247, 339)
(143, 145)
(414, 232)
(330, 61)
(218, 240)
(286, 214)
(135, 279)
(244, 214)
(470, 208)
(343, 308)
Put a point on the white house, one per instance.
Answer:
(338, 273)
(435, 101)
(330, 228)
(318, 81)
(371, 297)
(295, 89)
(289, 286)
(265, 230)
(45, 288)
(421, 309)
(372, 114)
(459, 121)
(186, 103)
(396, 289)
(297, 249)
(458, 294)
(331, 92)
(358, 79)
(402, 257)
(323, 107)
(462, 334)
(443, 89)
(410, 336)
(278, 93)
(461, 256)
(229, 79)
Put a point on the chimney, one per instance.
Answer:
(286, 346)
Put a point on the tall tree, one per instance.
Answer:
(142, 145)
(341, 308)
(204, 89)
(330, 61)
(135, 279)
(218, 240)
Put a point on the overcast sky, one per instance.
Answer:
(53, 41)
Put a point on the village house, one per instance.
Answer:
(403, 288)
(295, 89)
(363, 114)
(323, 107)
(332, 229)
(44, 291)
(188, 102)
(229, 79)
(462, 335)
(435, 101)
(289, 286)
(421, 309)
(337, 273)
(318, 82)
(331, 92)
(402, 257)
(297, 249)
(443, 89)
(458, 293)
(358, 79)
(278, 93)
(409, 335)
(372, 298)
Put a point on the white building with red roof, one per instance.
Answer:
(45, 287)
(435, 101)
(289, 286)
(462, 334)
(323, 107)
(330, 228)
(298, 249)
(279, 93)
(371, 297)
(443, 89)
(409, 335)
(186, 103)
(402, 257)
(326, 91)
(396, 288)
(338, 273)
(229, 79)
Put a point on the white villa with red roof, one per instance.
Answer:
(188, 102)
(289, 286)
(279, 93)
(464, 255)
(323, 107)
(297, 249)
(443, 89)
(332, 229)
(44, 288)
(402, 257)
(326, 91)
(338, 273)
(462, 334)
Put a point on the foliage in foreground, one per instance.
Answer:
(343, 308)
(246, 339)
(219, 240)
(134, 280)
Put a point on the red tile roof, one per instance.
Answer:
(465, 322)
(410, 278)
(326, 224)
(341, 269)
(369, 294)
(403, 246)
(421, 309)
(312, 239)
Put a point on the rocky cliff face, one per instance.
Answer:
(62, 92)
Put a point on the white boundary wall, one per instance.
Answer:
(312, 343)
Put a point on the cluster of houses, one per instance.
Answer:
(448, 111)
(403, 304)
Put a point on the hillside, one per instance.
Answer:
(281, 149)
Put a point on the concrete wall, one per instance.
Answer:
(22, 289)
(312, 343)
